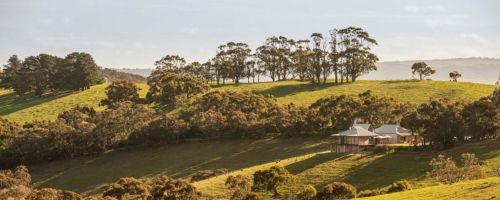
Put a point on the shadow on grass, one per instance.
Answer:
(411, 165)
(178, 161)
(286, 90)
(318, 159)
(11, 102)
(400, 81)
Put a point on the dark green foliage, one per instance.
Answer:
(80, 131)
(162, 130)
(43, 73)
(338, 190)
(168, 88)
(422, 69)
(339, 111)
(121, 91)
(482, 117)
(271, 179)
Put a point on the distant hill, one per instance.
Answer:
(479, 70)
(144, 72)
(112, 75)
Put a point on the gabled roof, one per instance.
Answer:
(392, 129)
(355, 131)
(365, 126)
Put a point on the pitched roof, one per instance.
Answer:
(392, 129)
(355, 131)
(365, 126)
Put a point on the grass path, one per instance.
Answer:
(482, 189)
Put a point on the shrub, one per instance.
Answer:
(338, 190)
(399, 186)
(444, 169)
(146, 188)
(20, 177)
(308, 193)
(472, 167)
(240, 185)
(121, 91)
(271, 179)
(369, 193)
(163, 130)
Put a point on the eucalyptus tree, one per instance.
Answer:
(173, 63)
(454, 75)
(234, 57)
(355, 45)
(319, 57)
(422, 69)
(333, 55)
(302, 59)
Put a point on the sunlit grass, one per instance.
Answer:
(25, 109)
(488, 188)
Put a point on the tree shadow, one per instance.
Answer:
(299, 167)
(400, 81)
(179, 161)
(11, 102)
(411, 165)
(286, 90)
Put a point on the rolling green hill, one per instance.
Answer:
(307, 158)
(478, 189)
(22, 109)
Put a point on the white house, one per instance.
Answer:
(396, 133)
(356, 135)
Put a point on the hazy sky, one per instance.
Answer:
(126, 33)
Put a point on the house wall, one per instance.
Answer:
(392, 140)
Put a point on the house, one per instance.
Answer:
(356, 135)
(396, 133)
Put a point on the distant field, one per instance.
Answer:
(488, 188)
(22, 109)
(307, 158)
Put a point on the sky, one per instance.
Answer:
(133, 34)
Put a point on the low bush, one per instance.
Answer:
(338, 190)
(399, 186)
(308, 193)
(369, 193)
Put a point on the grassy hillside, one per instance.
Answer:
(22, 109)
(25, 109)
(307, 158)
(304, 93)
(474, 190)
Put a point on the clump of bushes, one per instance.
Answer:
(307, 193)
(338, 190)
(240, 187)
(205, 174)
(398, 186)
(445, 170)
(270, 179)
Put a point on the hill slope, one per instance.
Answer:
(478, 189)
(22, 109)
(307, 158)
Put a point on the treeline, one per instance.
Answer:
(42, 73)
(345, 54)
(214, 114)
